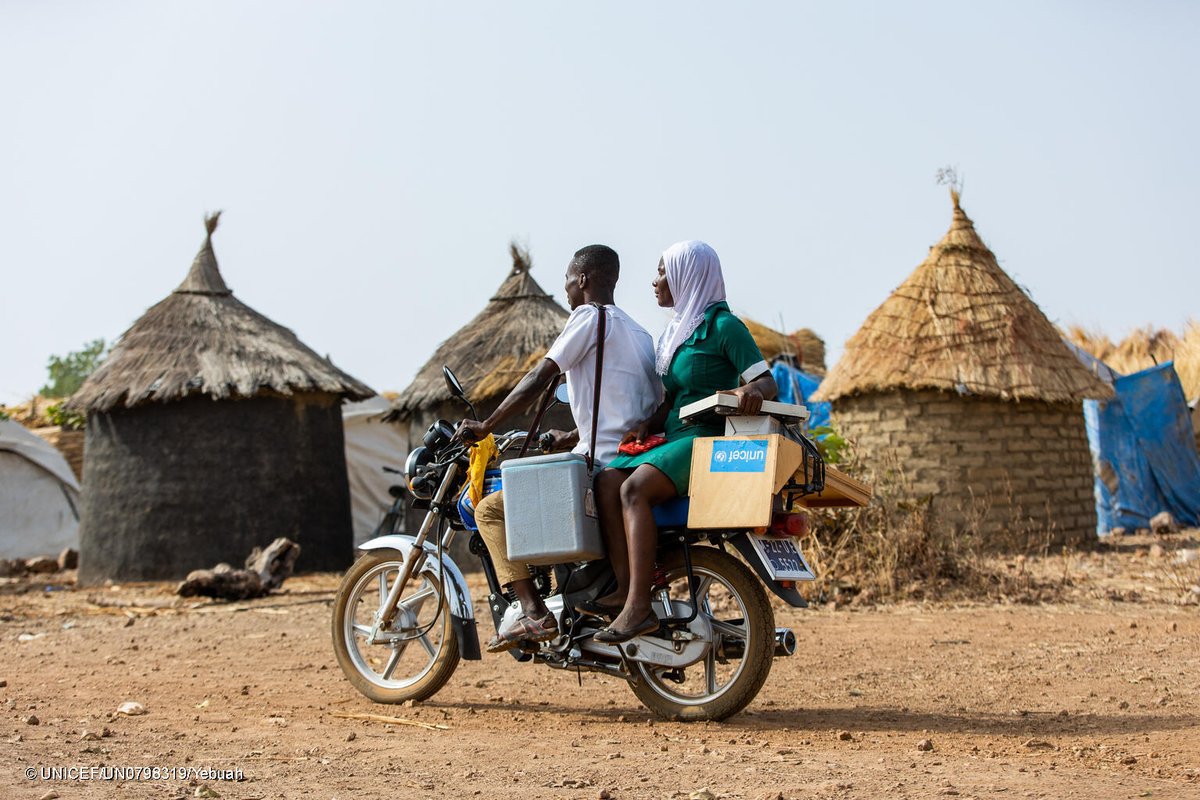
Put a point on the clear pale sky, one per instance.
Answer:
(374, 159)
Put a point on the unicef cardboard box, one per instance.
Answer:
(734, 479)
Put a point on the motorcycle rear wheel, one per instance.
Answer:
(739, 658)
(420, 651)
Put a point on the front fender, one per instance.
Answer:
(462, 612)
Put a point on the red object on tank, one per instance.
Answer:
(637, 448)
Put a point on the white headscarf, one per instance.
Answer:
(695, 280)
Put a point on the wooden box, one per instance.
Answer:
(734, 479)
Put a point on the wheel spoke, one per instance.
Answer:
(702, 585)
(428, 645)
(383, 588)
(393, 660)
(413, 602)
(727, 629)
(363, 631)
(710, 670)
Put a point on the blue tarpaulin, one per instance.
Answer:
(1144, 450)
(796, 386)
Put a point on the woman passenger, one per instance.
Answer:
(705, 349)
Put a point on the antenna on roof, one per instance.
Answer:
(948, 176)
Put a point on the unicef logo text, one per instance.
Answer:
(757, 454)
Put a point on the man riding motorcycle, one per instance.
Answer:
(628, 365)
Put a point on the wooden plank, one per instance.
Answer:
(841, 491)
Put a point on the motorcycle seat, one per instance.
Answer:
(672, 514)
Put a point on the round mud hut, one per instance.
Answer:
(211, 430)
(960, 384)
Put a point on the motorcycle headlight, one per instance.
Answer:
(414, 467)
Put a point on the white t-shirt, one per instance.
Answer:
(630, 389)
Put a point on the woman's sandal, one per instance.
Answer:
(611, 635)
(524, 629)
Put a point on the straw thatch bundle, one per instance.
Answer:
(201, 340)
(1187, 361)
(960, 323)
(807, 348)
(1141, 349)
(1146, 347)
(493, 351)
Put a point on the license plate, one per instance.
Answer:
(782, 558)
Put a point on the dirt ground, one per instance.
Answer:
(1095, 695)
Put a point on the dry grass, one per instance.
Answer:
(891, 550)
(1146, 347)
(1141, 349)
(33, 412)
(960, 323)
(1187, 360)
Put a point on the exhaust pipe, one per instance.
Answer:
(785, 642)
(785, 645)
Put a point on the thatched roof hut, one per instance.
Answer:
(495, 349)
(802, 344)
(961, 376)
(201, 340)
(210, 430)
(960, 323)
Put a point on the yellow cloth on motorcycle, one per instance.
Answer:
(482, 455)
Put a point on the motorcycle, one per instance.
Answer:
(403, 617)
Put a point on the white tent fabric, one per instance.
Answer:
(39, 496)
(371, 445)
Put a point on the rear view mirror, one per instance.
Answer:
(456, 389)
(452, 384)
(561, 394)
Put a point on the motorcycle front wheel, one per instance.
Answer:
(739, 657)
(414, 656)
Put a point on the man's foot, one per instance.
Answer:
(615, 633)
(524, 629)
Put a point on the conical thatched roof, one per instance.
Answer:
(203, 340)
(959, 323)
(494, 350)
(803, 344)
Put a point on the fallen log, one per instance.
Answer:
(266, 569)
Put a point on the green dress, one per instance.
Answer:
(711, 360)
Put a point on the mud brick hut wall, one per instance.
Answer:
(180, 486)
(990, 467)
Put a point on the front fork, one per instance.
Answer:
(416, 556)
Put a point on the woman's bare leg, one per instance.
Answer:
(612, 525)
(645, 488)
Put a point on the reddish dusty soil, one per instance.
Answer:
(1094, 696)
